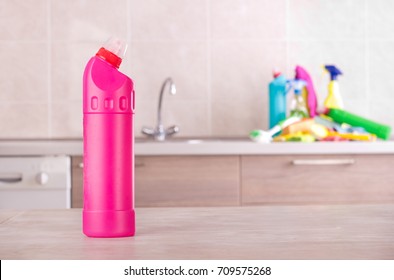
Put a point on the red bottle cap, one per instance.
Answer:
(110, 57)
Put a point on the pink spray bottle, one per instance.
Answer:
(108, 172)
(302, 74)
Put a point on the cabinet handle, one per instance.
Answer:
(80, 165)
(10, 177)
(323, 161)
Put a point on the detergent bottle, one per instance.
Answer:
(278, 89)
(308, 91)
(334, 99)
(108, 171)
(298, 106)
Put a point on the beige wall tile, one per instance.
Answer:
(185, 62)
(68, 62)
(381, 61)
(90, 20)
(241, 71)
(24, 74)
(66, 119)
(155, 20)
(380, 19)
(23, 120)
(382, 111)
(358, 106)
(23, 20)
(219, 52)
(190, 116)
(327, 20)
(146, 115)
(248, 19)
(231, 118)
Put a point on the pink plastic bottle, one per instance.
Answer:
(108, 172)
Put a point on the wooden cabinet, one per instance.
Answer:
(255, 180)
(187, 181)
(317, 179)
(177, 181)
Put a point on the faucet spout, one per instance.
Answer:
(160, 133)
(172, 91)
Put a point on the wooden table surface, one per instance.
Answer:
(261, 232)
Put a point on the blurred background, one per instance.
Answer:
(220, 54)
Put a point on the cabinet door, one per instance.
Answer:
(77, 182)
(187, 180)
(317, 179)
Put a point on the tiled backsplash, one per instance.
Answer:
(220, 54)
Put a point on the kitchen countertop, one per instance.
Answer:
(261, 232)
(198, 146)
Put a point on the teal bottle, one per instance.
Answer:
(278, 89)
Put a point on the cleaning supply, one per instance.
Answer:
(295, 137)
(108, 173)
(298, 106)
(304, 137)
(341, 116)
(345, 128)
(334, 99)
(278, 89)
(334, 139)
(319, 131)
(302, 125)
(326, 121)
(342, 128)
(311, 99)
(262, 136)
(352, 136)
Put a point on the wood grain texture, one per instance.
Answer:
(5, 215)
(187, 181)
(76, 182)
(257, 232)
(274, 179)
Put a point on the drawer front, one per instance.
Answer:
(317, 179)
(187, 181)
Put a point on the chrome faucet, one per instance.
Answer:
(159, 133)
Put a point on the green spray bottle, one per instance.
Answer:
(298, 105)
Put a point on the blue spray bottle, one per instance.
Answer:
(278, 89)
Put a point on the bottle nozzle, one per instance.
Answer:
(276, 73)
(334, 71)
(113, 51)
(298, 85)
